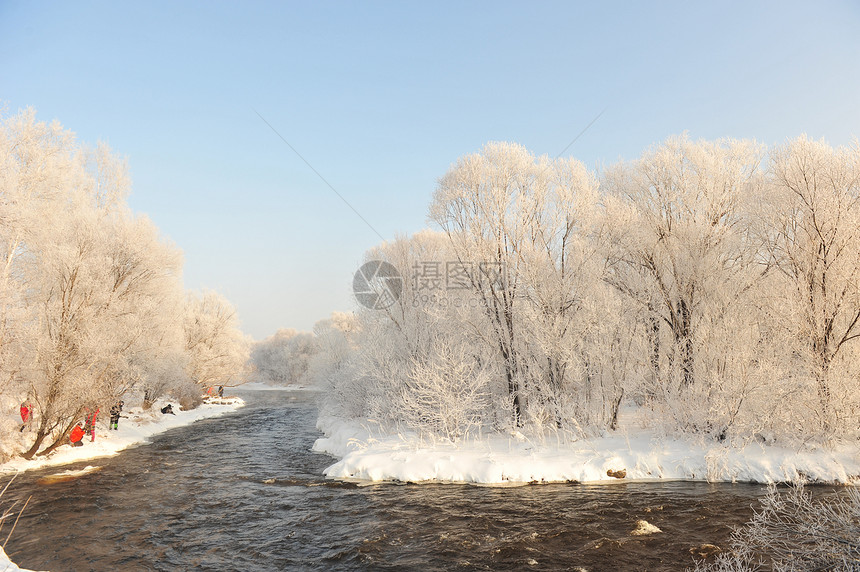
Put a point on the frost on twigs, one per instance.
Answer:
(705, 550)
(793, 531)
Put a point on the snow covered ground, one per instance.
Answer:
(137, 428)
(642, 455)
(7, 565)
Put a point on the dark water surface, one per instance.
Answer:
(244, 492)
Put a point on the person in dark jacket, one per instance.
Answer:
(115, 413)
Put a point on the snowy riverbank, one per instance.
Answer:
(137, 428)
(7, 565)
(513, 459)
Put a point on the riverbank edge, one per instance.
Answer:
(138, 428)
(371, 456)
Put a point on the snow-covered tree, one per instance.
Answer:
(446, 393)
(396, 365)
(811, 220)
(715, 288)
(332, 367)
(97, 280)
(91, 300)
(100, 282)
(680, 249)
(37, 162)
(484, 203)
(284, 357)
(561, 269)
(335, 337)
(537, 224)
(526, 224)
(217, 349)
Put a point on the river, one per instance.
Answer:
(244, 492)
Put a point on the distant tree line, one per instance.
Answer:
(293, 358)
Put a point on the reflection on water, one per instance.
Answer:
(244, 492)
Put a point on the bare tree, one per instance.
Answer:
(218, 351)
(681, 249)
(483, 204)
(813, 230)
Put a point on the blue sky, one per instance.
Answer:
(382, 97)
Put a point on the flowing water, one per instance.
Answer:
(244, 492)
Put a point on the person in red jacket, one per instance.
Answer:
(90, 422)
(26, 413)
(77, 436)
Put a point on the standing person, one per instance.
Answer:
(115, 413)
(220, 391)
(76, 437)
(88, 415)
(26, 414)
(90, 423)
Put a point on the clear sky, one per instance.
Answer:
(382, 97)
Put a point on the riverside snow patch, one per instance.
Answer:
(139, 427)
(366, 453)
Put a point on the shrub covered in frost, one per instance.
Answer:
(793, 532)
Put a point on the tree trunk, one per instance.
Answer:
(31, 452)
(654, 342)
(686, 341)
(513, 384)
(823, 387)
(61, 440)
(556, 376)
(147, 400)
(616, 404)
(514, 391)
(41, 433)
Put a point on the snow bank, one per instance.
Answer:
(368, 455)
(7, 565)
(137, 428)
